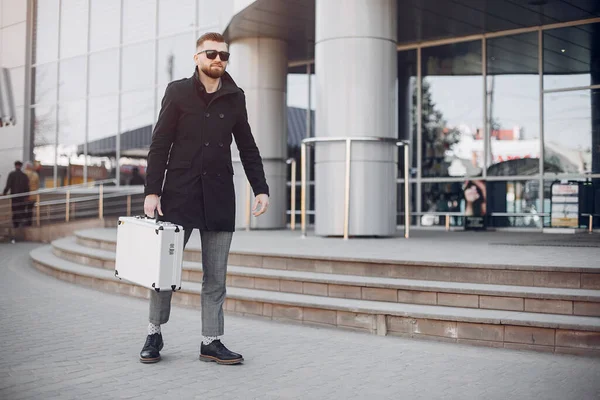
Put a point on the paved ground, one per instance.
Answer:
(61, 341)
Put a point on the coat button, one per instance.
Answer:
(207, 115)
(206, 144)
(221, 116)
(204, 173)
(220, 144)
(218, 174)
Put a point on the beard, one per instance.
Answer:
(214, 72)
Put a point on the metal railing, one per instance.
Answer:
(348, 141)
(67, 203)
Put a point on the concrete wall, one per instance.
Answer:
(13, 46)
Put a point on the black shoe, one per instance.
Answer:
(150, 352)
(217, 352)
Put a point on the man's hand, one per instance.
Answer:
(151, 203)
(263, 200)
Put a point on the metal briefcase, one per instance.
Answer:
(149, 253)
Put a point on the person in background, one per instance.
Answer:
(136, 178)
(17, 182)
(34, 185)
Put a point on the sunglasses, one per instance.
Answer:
(212, 54)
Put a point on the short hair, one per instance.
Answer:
(18, 164)
(212, 36)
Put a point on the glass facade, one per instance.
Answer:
(100, 68)
(501, 117)
(493, 120)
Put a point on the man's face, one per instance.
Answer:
(216, 67)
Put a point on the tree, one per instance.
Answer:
(437, 137)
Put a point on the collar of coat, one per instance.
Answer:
(228, 85)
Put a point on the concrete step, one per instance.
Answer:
(509, 329)
(585, 277)
(585, 302)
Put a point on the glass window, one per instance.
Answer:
(443, 197)
(568, 57)
(400, 204)
(407, 104)
(520, 198)
(104, 72)
(73, 27)
(139, 20)
(72, 80)
(175, 58)
(160, 93)
(452, 110)
(208, 14)
(44, 83)
(103, 119)
(105, 18)
(44, 142)
(572, 131)
(138, 66)
(513, 104)
(137, 110)
(175, 16)
(71, 126)
(102, 135)
(46, 34)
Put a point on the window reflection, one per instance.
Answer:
(102, 135)
(44, 83)
(71, 133)
(175, 16)
(443, 197)
(138, 66)
(137, 110)
(73, 27)
(45, 32)
(568, 56)
(44, 142)
(452, 110)
(139, 18)
(175, 58)
(104, 24)
(102, 122)
(513, 102)
(514, 197)
(72, 80)
(104, 72)
(572, 131)
(407, 104)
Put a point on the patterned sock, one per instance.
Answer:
(206, 340)
(152, 329)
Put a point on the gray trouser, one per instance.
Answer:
(215, 250)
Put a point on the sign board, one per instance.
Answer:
(475, 205)
(565, 205)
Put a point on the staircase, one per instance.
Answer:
(551, 309)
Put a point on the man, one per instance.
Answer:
(192, 140)
(34, 185)
(17, 182)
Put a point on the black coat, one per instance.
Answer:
(17, 182)
(192, 141)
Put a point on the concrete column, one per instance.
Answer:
(259, 67)
(356, 67)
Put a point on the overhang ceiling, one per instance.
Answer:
(418, 20)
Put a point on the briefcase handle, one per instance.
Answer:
(144, 216)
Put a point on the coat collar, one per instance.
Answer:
(228, 85)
